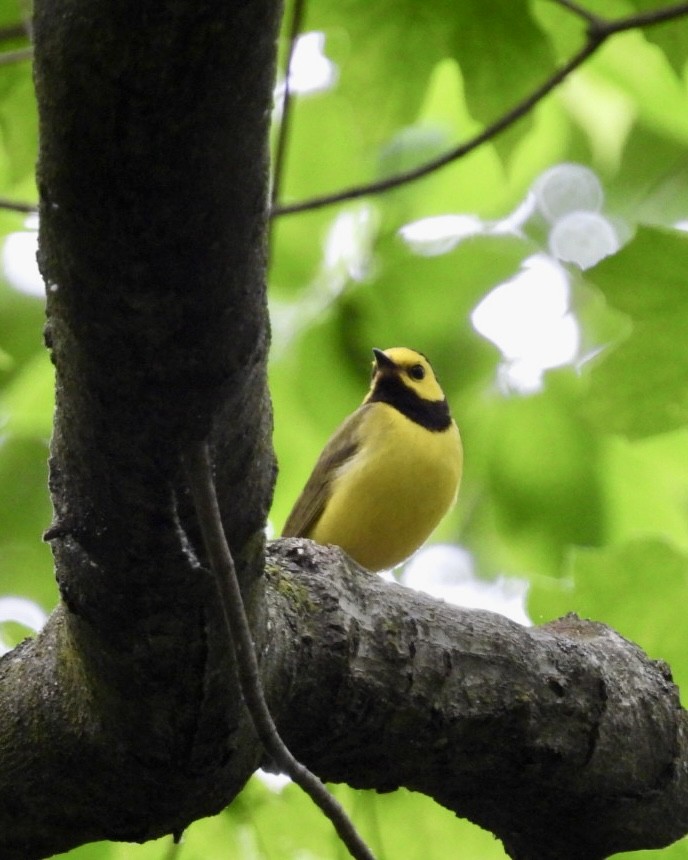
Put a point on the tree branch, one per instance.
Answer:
(649, 18)
(579, 10)
(599, 30)
(565, 740)
(123, 719)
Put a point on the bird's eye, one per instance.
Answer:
(417, 371)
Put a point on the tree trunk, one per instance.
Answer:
(123, 720)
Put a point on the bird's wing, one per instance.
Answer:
(341, 447)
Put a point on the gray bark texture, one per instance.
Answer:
(123, 719)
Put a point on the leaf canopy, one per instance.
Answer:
(576, 480)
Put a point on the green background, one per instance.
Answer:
(580, 487)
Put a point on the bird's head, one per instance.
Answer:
(408, 367)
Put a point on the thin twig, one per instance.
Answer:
(200, 477)
(9, 57)
(646, 19)
(579, 10)
(27, 17)
(599, 30)
(285, 120)
(16, 206)
(12, 31)
(492, 130)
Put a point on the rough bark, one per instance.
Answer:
(123, 719)
(564, 740)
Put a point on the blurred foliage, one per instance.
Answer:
(580, 483)
(272, 825)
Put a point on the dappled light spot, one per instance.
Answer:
(447, 572)
(19, 263)
(19, 610)
(528, 318)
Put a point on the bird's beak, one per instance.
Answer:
(384, 362)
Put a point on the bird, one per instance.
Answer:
(390, 471)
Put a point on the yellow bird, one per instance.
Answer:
(390, 472)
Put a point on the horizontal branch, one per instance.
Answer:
(648, 18)
(564, 740)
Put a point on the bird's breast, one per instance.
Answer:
(387, 499)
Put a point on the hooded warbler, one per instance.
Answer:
(390, 471)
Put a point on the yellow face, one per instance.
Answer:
(412, 368)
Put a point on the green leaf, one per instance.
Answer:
(651, 186)
(19, 124)
(677, 851)
(21, 325)
(543, 479)
(639, 588)
(328, 119)
(646, 483)
(6, 361)
(317, 360)
(639, 387)
(432, 297)
(26, 404)
(393, 45)
(475, 184)
(659, 97)
(671, 37)
(522, 56)
(25, 512)
(399, 824)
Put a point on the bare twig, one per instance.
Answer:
(605, 27)
(492, 130)
(199, 474)
(579, 10)
(645, 19)
(9, 57)
(26, 8)
(16, 206)
(598, 31)
(12, 31)
(283, 132)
